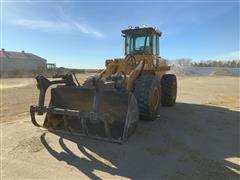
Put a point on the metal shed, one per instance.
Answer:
(20, 61)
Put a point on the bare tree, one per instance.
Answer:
(215, 63)
(183, 62)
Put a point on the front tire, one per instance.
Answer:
(147, 91)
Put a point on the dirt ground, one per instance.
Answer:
(198, 138)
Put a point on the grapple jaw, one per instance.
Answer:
(101, 113)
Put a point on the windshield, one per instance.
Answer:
(135, 45)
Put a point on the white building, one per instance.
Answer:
(20, 61)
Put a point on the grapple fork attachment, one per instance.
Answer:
(105, 114)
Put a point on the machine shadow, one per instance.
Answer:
(187, 141)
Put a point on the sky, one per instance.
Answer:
(83, 34)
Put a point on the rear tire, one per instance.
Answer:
(147, 91)
(169, 89)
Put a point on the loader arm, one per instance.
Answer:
(134, 75)
(127, 67)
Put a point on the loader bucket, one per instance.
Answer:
(108, 114)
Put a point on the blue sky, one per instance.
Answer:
(82, 34)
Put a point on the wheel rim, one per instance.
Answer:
(155, 98)
(174, 90)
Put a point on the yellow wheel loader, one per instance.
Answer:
(109, 105)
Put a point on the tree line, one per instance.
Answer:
(207, 63)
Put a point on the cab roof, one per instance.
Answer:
(141, 30)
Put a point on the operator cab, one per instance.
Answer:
(141, 41)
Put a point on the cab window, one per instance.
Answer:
(136, 45)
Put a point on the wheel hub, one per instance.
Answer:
(174, 90)
(155, 98)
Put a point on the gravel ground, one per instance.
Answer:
(196, 139)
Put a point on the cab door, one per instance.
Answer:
(155, 43)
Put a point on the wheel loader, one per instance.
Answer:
(109, 105)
